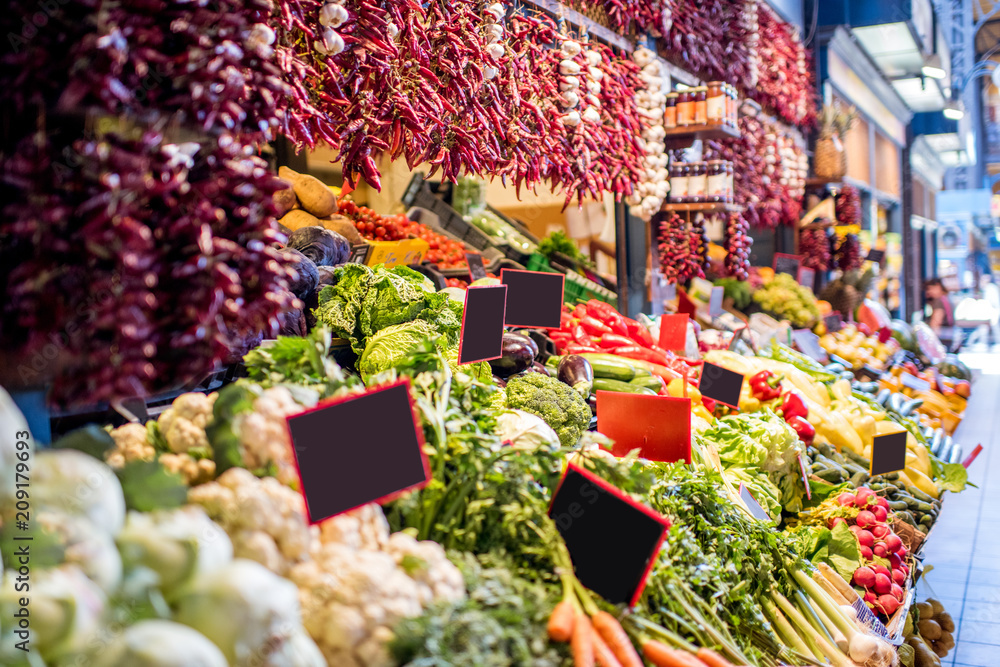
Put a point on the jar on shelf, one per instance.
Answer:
(701, 105)
(717, 182)
(679, 183)
(670, 113)
(730, 183)
(734, 109)
(685, 108)
(697, 183)
(716, 103)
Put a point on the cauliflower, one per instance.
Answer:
(183, 423)
(193, 471)
(157, 643)
(263, 433)
(265, 519)
(77, 483)
(93, 551)
(13, 428)
(557, 403)
(176, 544)
(251, 614)
(131, 444)
(362, 581)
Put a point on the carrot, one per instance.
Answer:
(712, 659)
(611, 631)
(582, 644)
(662, 655)
(561, 621)
(603, 655)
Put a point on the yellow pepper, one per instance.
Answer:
(676, 389)
(865, 426)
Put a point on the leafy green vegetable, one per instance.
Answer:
(838, 548)
(147, 486)
(305, 362)
(737, 290)
(557, 241)
(557, 403)
(391, 344)
(90, 439)
(953, 477)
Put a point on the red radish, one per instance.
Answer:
(869, 597)
(896, 591)
(862, 496)
(898, 577)
(882, 584)
(866, 553)
(846, 499)
(865, 538)
(895, 561)
(901, 552)
(880, 513)
(880, 550)
(835, 521)
(905, 568)
(887, 604)
(865, 519)
(855, 529)
(880, 530)
(893, 543)
(881, 569)
(883, 503)
(864, 577)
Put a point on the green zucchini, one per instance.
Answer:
(859, 478)
(898, 505)
(831, 475)
(648, 381)
(612, 370)
(607, 384)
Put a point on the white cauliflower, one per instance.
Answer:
(92, 550)
(263, 433)
(183, 423)
(194, 471)
(362, 581)
(131, 444)
(13, 430)
(265, 519)
(159, 643)
(78, 483)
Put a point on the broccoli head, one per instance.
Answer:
(558, 404)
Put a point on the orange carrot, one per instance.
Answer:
(614, 635)
(561, 621)
(662, 655)
(582, 644)
(712, 659)
(602, 654)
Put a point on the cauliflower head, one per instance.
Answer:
(183, 423)
(558, 404)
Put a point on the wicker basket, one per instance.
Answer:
(831, 158)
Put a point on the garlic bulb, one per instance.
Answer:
(592, 115)
(593, 58)
(595, 73)
(572, 119)
(497, 10)
(333, 16)
(570, 48)
(570, 83)
(495, 50)
(569, 99)
(568, 67)
(495, 32)
(330, 44)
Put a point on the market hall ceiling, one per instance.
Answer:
(989, 36)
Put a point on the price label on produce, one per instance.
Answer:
(612, 540)
(482, 324)
(715, 302)
(663, 433)
(476, 269)
(807, 277)
(808, 344)
(357, 450)
(888, 453)
(359, 254)
(534, 298)
(720, 384)
(875, 255)
(805, 476)
(789, 264)
(834, 322)
(673, 331)
(755, 508)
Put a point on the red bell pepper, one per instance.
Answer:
(804, 429)
(611, 341)
(765, 386)
(594, 327)
(639, 333)
(580, 311)
(642, 353)
(793, 405)
(708, 403)
(580, 335)
(600, 309)
(576, 348)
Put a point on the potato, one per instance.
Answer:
(944, 620)
(938, 607)
(925, 609)
(946, 640)
(285, 200)
(924, 656)
(343, 226)
(929, 629)
(313, 195)
(298, 218)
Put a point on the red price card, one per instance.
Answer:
(684, 303)
(673, 331)
(663, 433)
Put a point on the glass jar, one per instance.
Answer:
(717, 182)
(730, 183)
(697, 183)
(701, 105)
(685, 108)
(678, 183)
(716, 103)
(734, 109)
(670, 114)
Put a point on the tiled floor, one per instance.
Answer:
(964, 546)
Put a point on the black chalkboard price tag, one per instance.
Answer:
(482, 324)
(888, 453)
(875, 255)
(476, 269)
(357, 450)
(359, 253)
(789, 264)
(612, 540)
(720, 384)
(833, 322)
(534, 298)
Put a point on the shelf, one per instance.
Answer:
(703, 208)
(681, 137)
(816, 181)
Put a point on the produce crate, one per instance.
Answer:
(492, 265)
(419, 194)
(578, 289)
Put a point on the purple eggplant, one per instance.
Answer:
(518, 355)
(539, 368)
(577, 372)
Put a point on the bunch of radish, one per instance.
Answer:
(883, 585)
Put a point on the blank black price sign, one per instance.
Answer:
(357, 450)
(612, 540)
(720, 384)
(534, 298)
(482, 324)
(476, 269)
(787, 264)
(833, 322)
(875, 255)
(888, 453)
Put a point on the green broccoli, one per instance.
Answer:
(558, 404)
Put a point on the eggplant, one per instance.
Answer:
(500, 382)
(883, 396)
(517, 356)
(534, 345)
(578, 373)
(539, 368)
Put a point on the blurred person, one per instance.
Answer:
(942, 315)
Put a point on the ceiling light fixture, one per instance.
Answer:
(932, 68)
(953, 110)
